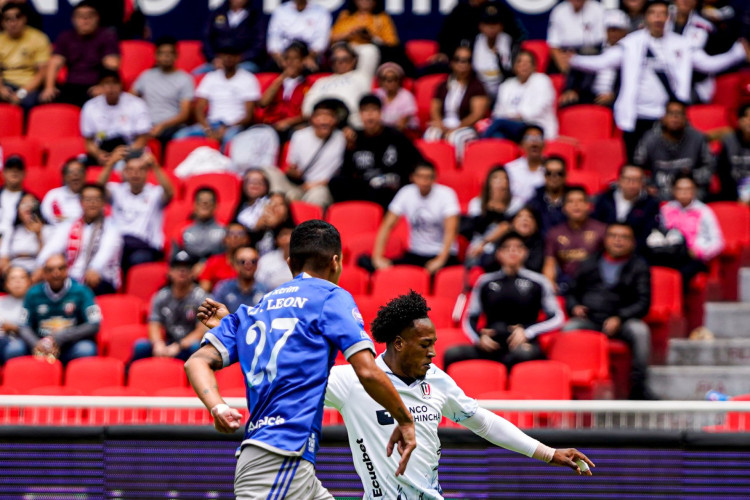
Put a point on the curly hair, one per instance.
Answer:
(397, 315)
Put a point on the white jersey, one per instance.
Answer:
(370, 427)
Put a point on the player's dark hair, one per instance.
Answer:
(313, 244)
(398, 315)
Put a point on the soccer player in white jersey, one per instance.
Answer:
(404, 326)
(286, 346)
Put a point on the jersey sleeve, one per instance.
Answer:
(458, 406)
(342, 324)
(339, 386)
(224, 338)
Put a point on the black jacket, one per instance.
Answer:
(643, 216)
(630, 298)
(249, 35)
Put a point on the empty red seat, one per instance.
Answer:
(420, 51)
(540, 49)
(354, 217)
(11, 124)
(189, 55)
(707, 117)
(465, 185)
(118, 341)
(586, 122)
(591, 181)
(734, 220)
(28, 148)
(728, 93)
(442, 154)
(398, 280)
(450, 281)
(541, 380)
(144, 280)
(136, 56)
(355, 280)
(587, 355)
(153, 374)
(51, 121)
(565, 149)
(424, 91)
(28, 372)
(227, 187)
(303, 211)
(447, 338)
(61, 150)
(120, 309)
(605, 157)
(39, 182)
(482, 155)
(362, 244)
(87, 374)
(265, 80)
(179, 149)
(441, 311)
(478, 376)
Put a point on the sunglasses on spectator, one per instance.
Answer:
(244, 262)
(559, 173)
(464, 60)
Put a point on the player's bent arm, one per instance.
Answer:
(200, 368)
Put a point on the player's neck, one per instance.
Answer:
(390, 359)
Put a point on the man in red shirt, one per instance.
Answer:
(219, 267)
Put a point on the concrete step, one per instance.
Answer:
(728, 320)
(744, 285)
(719, 352)
(692, 382)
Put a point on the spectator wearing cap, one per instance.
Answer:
(84, 50)
(526, 173)
(14, 172)
(316, 154)
(220, 267)
(167, 91)
(114, 118)
(225, 101)
(575, 27)
(492, 57)
(239, 21)
(378, 163)
(353, 71)
(204, 237)
(24, 53)
(526, 99)
(63, 204)
(399, 105)
(299, 20)
(173, 327)
(548, 199)
(91, 244)
(244, 289)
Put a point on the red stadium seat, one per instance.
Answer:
(441, 311)
(178, 150)
(605, 157)
(355, 280)
(53, 121)
(362, 244)
(565, 149)
(420, 51)
(303, 211)
(230, 377)
(478, 376)
(265, 80)
(27, 372)
(442, 154)
(189, 55)
(11, 124)
(590, 181)
(587, 355)
(482, 155)
(119, 310)
(28, 148)
(665, 316)
(465, 185)
(153, 374)
(354, 217)
(136, 56)
(144, 280)
(176, 218)
(38, 181)
(586, 122)
(558, 83)
(61, 150)
(541, 380)
(540, 49)
(368, 307)
(227, 187)
(449, 281)
(424, 91)
(734, 220)
(447, 338)
(119, 340)
(707, 117)
(87, 374)
(397, 280)
(727, 94)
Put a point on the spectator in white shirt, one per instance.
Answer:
(353, 70)
(168, 91)
(225, 101)
(253, 198)
(299, 20)
(575, 26)
(91, 244)
(685, 20)
(526, 173)
(64, 203)
(22, 242)
(492, 57)
(528, 98)
(316, 154)
(273, 269)
(17, 283)
(138, 207)
(14, 173)
(433, 212)
(113, 118)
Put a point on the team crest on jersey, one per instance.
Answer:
(425, 387)
(69, 308)
(358, 317)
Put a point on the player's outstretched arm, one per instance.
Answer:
(380, 388)
(200, 372)
(211, 312)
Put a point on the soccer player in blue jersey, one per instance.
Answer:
(286, 346)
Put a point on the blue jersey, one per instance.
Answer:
(286, 346)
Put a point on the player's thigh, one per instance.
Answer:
(259, 473)
(302, 484)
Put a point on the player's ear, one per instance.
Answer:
(336, 268)
(398, 343)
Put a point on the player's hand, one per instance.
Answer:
(210, 313)
(405, 436)
(568, 457)
(226, 419)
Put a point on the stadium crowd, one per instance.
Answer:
(486, 153)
